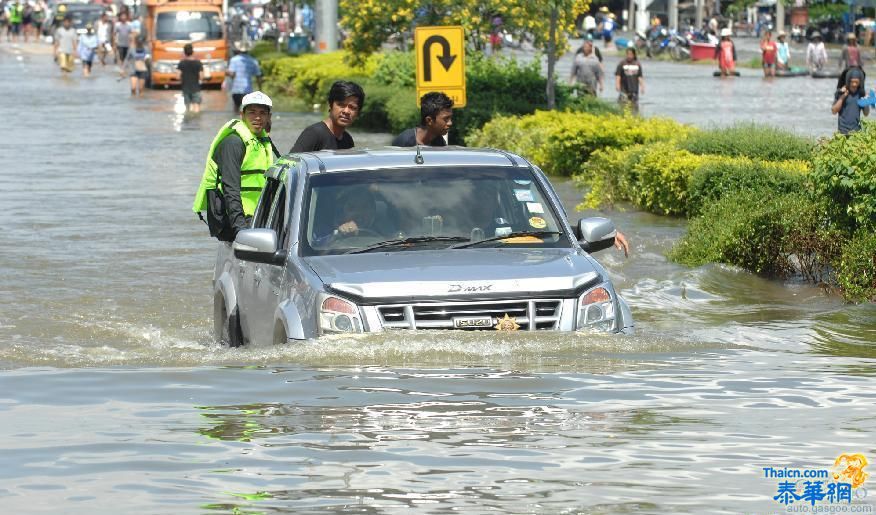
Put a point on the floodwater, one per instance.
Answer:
(116, 400)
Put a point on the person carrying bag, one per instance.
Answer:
(234, 174)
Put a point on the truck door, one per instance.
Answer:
(268, 279)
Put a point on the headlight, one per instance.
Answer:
(596, 310)
(216, 65)
(337, 315)
(164, 66)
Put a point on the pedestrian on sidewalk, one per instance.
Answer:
(436, 118)
(816, 54)
(725, 53)
(242, 69)
(783, 55)
(135, 66)
(16, 17)
(587, 71)
(608, 26)
(190, 74)
(846, 101)
(65, 44)
(768, 52)
(122, 31)
(87, 49)
(345, 100)
(629, 81)
(104, 38)
(851, 54)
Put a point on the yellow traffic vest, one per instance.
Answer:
(257, 159)
(15, 15)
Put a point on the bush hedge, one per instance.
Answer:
(308, 77)
(562, 142)
(844, 170)
(749, 140)
(856, 269)
(780, 238)
(718, 177)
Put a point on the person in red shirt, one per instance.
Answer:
(725, 53)
(770, 50)
(851, 55)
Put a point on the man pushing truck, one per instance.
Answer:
(171, 24)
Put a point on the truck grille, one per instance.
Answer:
(530, 315)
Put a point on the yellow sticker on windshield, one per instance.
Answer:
(523, 239)
(537, 222)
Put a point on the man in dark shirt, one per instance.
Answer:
(628, 80)
(255, 111)
(846, 102)
(436, 118)
(345, 100)
(189, 74)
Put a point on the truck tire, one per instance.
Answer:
(226, 328)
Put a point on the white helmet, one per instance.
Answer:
(257, 98)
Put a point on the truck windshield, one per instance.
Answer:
(188, 26)
(428, 208)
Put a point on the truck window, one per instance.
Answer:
(188, 26)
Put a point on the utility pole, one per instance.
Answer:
(326, 26)
(673, 14)
(552, 58)
(780, 16)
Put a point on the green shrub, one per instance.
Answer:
(584, 103)
(266, 51)
(654, 177)
(497, 86)
(750, 140)
(308, 77)
(658, 182)
(561, 142)
(844, 170)
(387, 109)
(856, 267)
(396, 69)
(785, 236)
(718, 177)
(603, 173)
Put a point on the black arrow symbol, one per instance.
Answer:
(446, 59)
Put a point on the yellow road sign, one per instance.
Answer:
(440, 55)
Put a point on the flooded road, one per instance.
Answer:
(116, 400)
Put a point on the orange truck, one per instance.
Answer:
(170, 24)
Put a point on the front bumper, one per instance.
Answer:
(510, 315)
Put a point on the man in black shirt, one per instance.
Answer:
(436, 118)
(190, 70)
(628, 80)
(345, 100)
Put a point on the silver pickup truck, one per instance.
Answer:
(407, 239)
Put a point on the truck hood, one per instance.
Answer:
(456, 274)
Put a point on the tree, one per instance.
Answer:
(370, 23)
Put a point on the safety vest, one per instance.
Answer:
(257, 159)
(15, 15)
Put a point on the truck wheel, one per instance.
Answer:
(226, 328)
(279, 334)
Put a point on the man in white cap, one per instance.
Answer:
(234, 174)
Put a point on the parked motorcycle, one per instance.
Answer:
(679, 47)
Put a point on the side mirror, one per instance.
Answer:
(259, 246)
(595, 233)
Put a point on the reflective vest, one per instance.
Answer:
(15, 15)
(257, 159)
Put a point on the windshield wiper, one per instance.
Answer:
(505, 237)
(404, 241)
